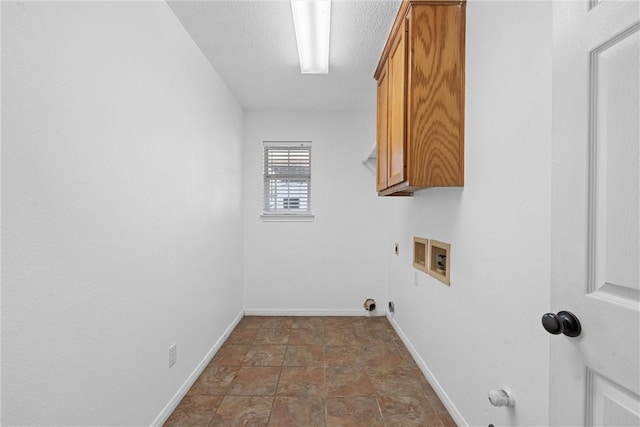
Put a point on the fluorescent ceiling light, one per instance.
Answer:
(312, 20)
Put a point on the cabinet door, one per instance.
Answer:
(383, 130)
(397, 107)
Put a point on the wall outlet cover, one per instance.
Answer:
(173, 354)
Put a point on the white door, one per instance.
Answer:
(595, 252)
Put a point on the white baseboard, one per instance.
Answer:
(316, 312)
(455, 414)
(175, 400)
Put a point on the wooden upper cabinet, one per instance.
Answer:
(397, 107)
(382, 129)
(421, 85)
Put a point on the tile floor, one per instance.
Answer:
(308, 372)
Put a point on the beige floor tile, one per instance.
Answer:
(230, 355)
(343, 355)
(304, 355)
(339, 322)
(276, 322)
(348, 381)
(243, 411)
(396, 381)
(242, 336)
(382, 355)
(214, 380)
(194, 411)
(297, 412)
(305, 322)
(306, 336)
(353, 412)
(302, 381)
(413, 406)
(272, 336)
(409, 420)
(255, 381)
(265, 355)
(341, 336)
(251, 322)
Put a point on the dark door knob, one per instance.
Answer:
(562, 323)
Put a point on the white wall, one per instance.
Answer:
(123, 217)
(483, 332)
(122, 228)
(335, 262)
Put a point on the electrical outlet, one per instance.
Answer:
(173, 354)
(392, 307)
(396, 249)
(416, 279)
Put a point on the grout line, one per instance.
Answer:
(275, 392)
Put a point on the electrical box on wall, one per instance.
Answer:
(420, 251)
(439, 261)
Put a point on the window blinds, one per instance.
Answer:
(287, 177)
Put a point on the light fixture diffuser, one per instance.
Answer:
(312, 21)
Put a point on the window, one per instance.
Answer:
(287, 180)
(292, 203)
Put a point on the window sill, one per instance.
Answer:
(287, 217)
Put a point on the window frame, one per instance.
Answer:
(285, 214)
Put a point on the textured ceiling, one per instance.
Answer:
(252, 46)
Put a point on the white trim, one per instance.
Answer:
(313, 312)
(287, 217)
(453, 411)
(182, 391)
(285, 144)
